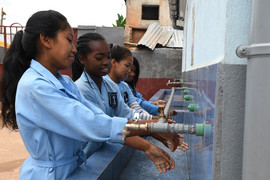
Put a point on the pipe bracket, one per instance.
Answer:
(262, 49)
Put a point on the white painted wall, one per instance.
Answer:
(213, 31)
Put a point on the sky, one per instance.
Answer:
(77, 12)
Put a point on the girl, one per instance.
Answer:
(133, 77)
(121, 61)
(51, 114)
(91, 64)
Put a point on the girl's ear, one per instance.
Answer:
(113, 62)
(81, 59)
(45, 40)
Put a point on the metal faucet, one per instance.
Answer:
(162, 128)
(175, 82)
(162, 117)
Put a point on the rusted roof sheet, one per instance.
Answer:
(164, 35)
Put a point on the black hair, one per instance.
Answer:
(133, 83)
(22, 50)
(82, 49)
(118, 53)
(137, 72)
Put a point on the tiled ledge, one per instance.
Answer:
(106, 163)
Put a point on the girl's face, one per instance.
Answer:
(122, 69)
(61, 51)
(132, 74)
(96, 62)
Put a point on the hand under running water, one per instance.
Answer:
(159, 102)
(172, 141)
(160, 158)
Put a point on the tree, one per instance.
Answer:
(120, 22)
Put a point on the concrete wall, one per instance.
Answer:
(156, 68)
(229, 122)
(160, 63)
(113, 35)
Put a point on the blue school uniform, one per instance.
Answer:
(109, 100)
(125, 91)
(146, 105)
(130, 100)
(54, 119)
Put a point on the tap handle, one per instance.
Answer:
(125, 133)
(162, 118)
(137, 116)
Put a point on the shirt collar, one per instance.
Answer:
(85, 75)
(47, 74)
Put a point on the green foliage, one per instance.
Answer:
(120, 22)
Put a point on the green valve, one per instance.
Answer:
(181, 81)
(207, 130)
(193, 107)
(199, 129)
(184, 88)
(188, 97)
(186, 91)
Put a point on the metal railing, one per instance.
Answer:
(6, 35)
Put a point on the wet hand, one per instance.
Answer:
(170, 140)
(159, 102)
(183, 146)
(172, 112)
(160, 158)
(170, 121)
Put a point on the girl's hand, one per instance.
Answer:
(160, 158)
(170, 121)
(183, 146)
(159, 102)
(172, 141)
(172, 112)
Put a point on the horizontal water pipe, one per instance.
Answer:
(198, 129)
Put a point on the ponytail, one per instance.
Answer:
(15, 64)
(77, 68)
(18, 58)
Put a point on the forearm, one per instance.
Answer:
(137, 142)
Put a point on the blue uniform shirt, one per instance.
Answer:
(109, 100)
(146, 105)
(130, 100)
(54, 119)
(125, 91)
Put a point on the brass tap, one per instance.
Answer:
(162, 118)
(137, 127)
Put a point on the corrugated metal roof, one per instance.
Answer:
(176, 39)
(164, 35)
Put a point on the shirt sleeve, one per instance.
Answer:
(146, 105)
(150, 108)
(53, 110)
(136, 107)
